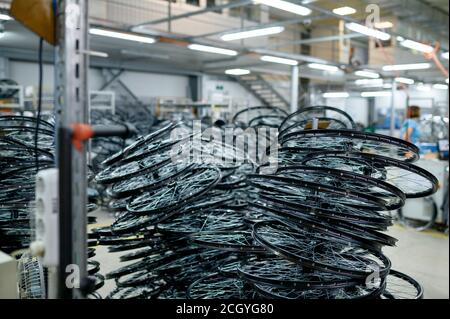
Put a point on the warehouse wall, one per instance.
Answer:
(217, 87)
(422, 99)
(147, 85)
(26, 74)
(144, 85)
(356, 107)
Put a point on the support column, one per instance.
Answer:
(195, 87)
(71, 101)
(4, 68)
(294, 88)
(392, 124)
(169, 16)
(371, 116)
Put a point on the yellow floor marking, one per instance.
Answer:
(430, 232)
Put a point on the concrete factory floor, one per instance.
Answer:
(422, 255)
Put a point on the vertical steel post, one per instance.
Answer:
(169, 21)
(294, 88)
(392, 124)
(71, 97)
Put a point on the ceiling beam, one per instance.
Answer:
(262, 25)
(316, 40)
(350, 19)
(232, 4)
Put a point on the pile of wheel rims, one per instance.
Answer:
(17, 170)
(311, 229)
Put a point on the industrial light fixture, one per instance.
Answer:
(210, 49)
(383, 25)
(237, 72)
(376, 94)
(285, 6)
(445, 55)
(122, 35)
(404, 80)
(367, 74)
(417, 46)
(369, 82)
(274, 59)
(368, 31)
(252, 33)
(343, 11)
(404, 67)
(5, 17)
(335, 95)
(323, 67)
(439, 86)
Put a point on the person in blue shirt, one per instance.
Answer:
(410, 129)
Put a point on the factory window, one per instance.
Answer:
(193, 2)
(384, 44)
(251, 13)
(213, 3)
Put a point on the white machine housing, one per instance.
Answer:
(418, 208)
(46, 244)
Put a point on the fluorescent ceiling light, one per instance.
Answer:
(209, 49)
(439, 86)
(368, 31)
(98, 54)
(400, 39)
(285, 6)
(5, 17)
(417, 46)
(145, 54)
(122, 35)
(252, 33)
(376, 94)
(445, 55)
(323, 67)
(237, 72)
(446, 81)
(403, 67)
(387, 86)
(370, 82)
(404, 80)
(367, 74)
(383, 25)
(343, 11)
(274, 59)
(333, 95)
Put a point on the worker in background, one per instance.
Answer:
(410, 129)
